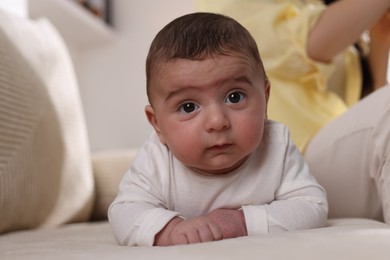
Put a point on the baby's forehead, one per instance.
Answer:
(212, 71)
(209, 70)
(163, 64)
(203, 67)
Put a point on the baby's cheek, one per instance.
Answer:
(253, 139)
(251, 134)
(185, 147)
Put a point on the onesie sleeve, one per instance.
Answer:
(139, 211)
(300, 202)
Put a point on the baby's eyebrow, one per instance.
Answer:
(179, 91)
(183, 89)
(243, 79)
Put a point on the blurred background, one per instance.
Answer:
(108, 41)
(109, 59)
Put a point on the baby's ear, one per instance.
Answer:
(267, 89)
(151, 115)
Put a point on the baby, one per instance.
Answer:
(215, 167)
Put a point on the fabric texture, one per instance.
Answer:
(273, 187)
(45, 172)
(108, 169)
(299, 85)
(357, 239)
(362, 134)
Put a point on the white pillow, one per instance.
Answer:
(45, 169)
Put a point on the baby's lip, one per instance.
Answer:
(220, 147)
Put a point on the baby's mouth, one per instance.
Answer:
(220, 147)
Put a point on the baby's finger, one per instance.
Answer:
(179, 239)
(206, 234)
(193, 236)
(216, 232)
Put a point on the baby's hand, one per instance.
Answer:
(217, 225)
(196, 230)
(230, 221)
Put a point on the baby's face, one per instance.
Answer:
(210, 113)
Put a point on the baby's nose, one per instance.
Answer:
(217, 119)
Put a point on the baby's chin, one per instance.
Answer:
(217, 171)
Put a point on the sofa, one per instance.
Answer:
(54, 193)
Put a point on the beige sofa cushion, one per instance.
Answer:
(108, 169)
(45, 171)
(343, 239)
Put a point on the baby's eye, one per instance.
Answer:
(235, 97)
(188, 107)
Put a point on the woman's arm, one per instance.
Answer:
(341, 24)
(379, 50)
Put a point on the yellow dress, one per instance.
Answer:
(305, 94)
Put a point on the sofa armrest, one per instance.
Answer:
(108, 168)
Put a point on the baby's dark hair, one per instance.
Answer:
(198, 36)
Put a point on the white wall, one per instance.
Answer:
(18, 7)
(112, 76)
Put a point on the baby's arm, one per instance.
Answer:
(296, 212)
(230, 221)
(139, 211)
(139, 214)
(217, 225)
(299, 201)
